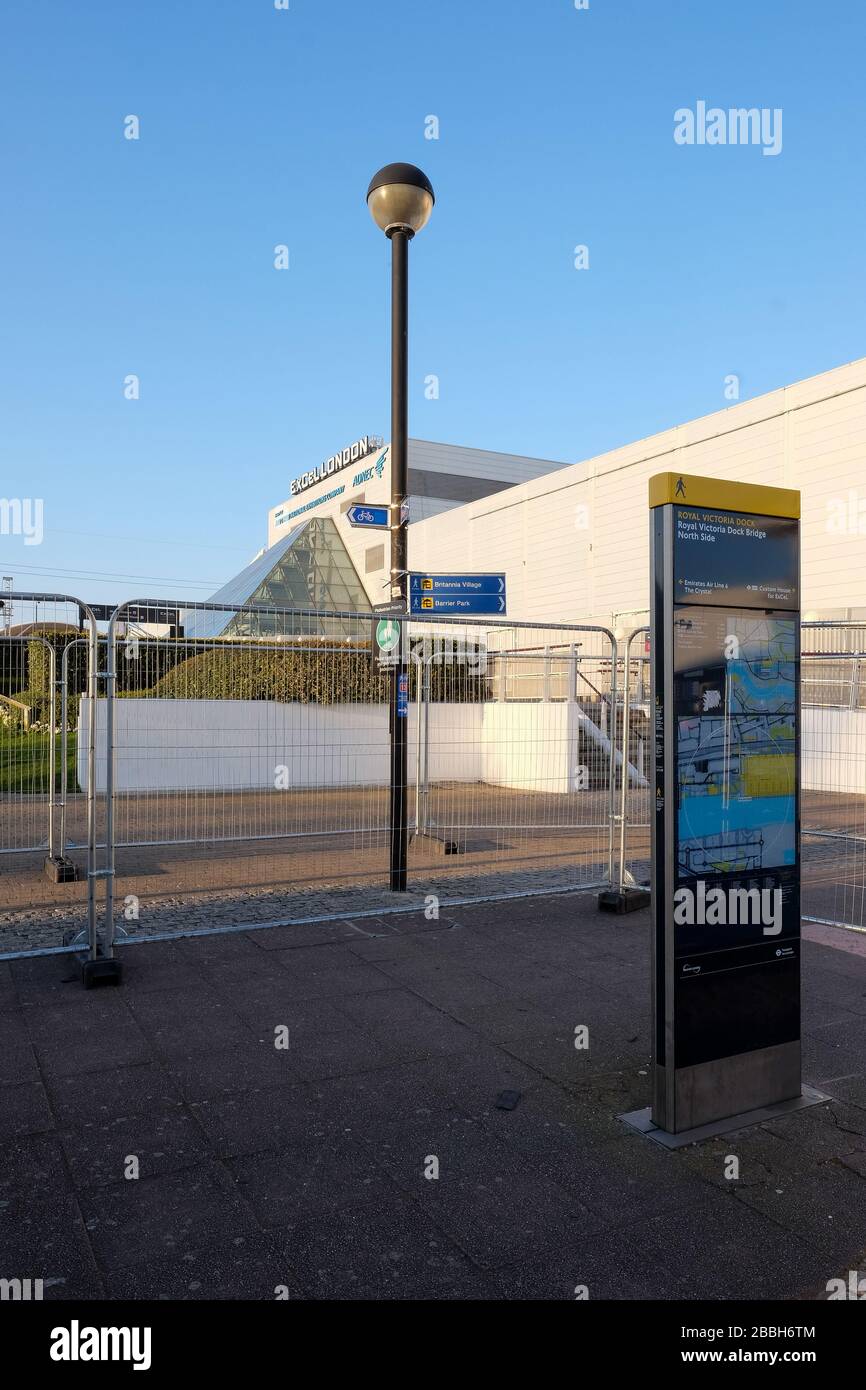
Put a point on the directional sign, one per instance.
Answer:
(375, 517)
(465, 595)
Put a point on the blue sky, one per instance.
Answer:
(261, 127)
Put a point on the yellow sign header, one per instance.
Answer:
(751, 498)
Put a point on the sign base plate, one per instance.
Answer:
(641, 1120)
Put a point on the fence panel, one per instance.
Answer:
(635, 790)
(515, 742)
(46, 896)
(245, 766)
(834, 772)
(832, 775)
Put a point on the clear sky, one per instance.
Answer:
(260, 127)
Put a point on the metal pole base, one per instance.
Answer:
(60, 870)
(621, 900)
(103, 970)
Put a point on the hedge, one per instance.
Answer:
(306, 677)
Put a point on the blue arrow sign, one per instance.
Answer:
(461, 594)
(360, 515)
(419, 604)
(461, 584)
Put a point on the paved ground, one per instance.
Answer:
(305, 1168)
(316, 855)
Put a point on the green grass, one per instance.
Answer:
(24, 762)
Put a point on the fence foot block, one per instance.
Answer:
(61, 870)
(621, 900)
(104, 970)
(441, 844)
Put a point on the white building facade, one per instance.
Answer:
(574, 544)
(572, 539)
(443, 479)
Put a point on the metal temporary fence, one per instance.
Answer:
(243, 762)
(47, 899)
(833, 772)
(28, 751)
(515, 753)
(832, 775)
(635, 789)
(234, 770)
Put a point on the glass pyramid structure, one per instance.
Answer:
(309, 571)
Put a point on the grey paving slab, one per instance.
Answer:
(136, 1221)
(483, 1196)
(24, 1109)
(720, 1250)
(173, 969)
(280, 1119)
(265, 1005)
(303, 1169)
(315, 1057)
(239, 1267)
(309, 934)
(764, 1159)
(409, 1023)
(112, 1093)
(825, 1131)
(47, 1239)
(395, 1252)
(850, 1088)
(824, 1064)
(825, 1209)
(100, 1153)
(8, 992)
(554, 1055)
(322, 1174)
(326, 976)
(18, 1060)
(96, 1051)
(221, 1071)
(472, 1080)
(33, 1163)
(847, 1035)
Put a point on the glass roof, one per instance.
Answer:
(310, 568)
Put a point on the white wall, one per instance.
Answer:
(176, 745)
(172, 745)
(532, 747)
(833, 757)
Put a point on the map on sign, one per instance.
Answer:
(735, 694)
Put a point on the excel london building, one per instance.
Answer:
(572, 539)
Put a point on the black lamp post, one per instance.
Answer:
(400, 199)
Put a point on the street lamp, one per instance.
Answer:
(400, 199)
